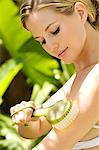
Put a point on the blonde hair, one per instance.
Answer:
(62, 6)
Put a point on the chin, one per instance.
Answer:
(67, 61)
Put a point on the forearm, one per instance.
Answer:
(54, 141)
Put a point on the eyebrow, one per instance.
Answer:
(49, 25)
(46, 28)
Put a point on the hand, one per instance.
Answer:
(22, 113)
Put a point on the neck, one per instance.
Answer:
(90, 53)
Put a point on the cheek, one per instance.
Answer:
(45, 48)
(75, 37)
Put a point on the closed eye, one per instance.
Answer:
(56, 31)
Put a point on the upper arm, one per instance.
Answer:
(88, 99)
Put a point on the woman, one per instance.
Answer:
(68, 30)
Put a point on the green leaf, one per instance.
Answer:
(68, 70)
(10, 26)
(44, 92)
(35, 91)
(1, 100)
(10, 140)
(7, 72)
(39, 68)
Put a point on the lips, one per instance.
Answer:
(62, 52)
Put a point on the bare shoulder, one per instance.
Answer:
(92, 78)
(90, 84)
(89, 91)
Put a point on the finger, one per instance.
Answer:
(29, 104)
(32, 103)
(28, 113)
(21, 106)
(15, 109)
(19, 118)
(35, 119)
(23, 103)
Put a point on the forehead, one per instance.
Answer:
(39, 20)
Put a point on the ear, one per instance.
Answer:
(81, 9)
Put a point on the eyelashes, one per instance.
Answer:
(54, 33)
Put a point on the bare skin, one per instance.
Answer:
(82, 43)
(42, 126)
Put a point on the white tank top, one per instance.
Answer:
(87, 144)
